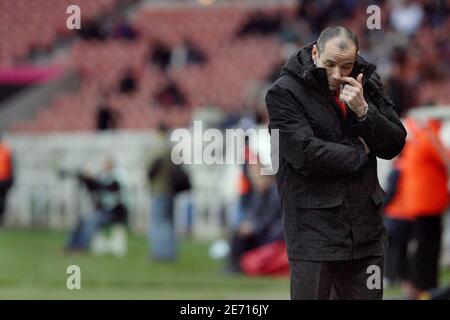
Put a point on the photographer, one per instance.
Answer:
(109, 208)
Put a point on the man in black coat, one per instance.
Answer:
(334, 119)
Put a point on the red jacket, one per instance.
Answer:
(5, 163)
(422, 186)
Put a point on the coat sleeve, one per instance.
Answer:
(298, 146)
(382, 130)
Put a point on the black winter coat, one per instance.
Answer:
(332, 203)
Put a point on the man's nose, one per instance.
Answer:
(336, 74)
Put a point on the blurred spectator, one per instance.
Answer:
(170, 95)
(107, 119)
(186, 53)
(436, 12)
(261, 223)
(6, 175)
(322, 13)
(402, 90)
(128, 82)
(106, 191)
(160, 54)
(124, 30)
(161, 231)
(399, 224)
(93, 30)
(338, 10)
(261, 23)
(422, 197)
(313, 12)
(244, 184)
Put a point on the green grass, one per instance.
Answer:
(33, 266)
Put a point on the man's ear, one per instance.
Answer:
(314, 54)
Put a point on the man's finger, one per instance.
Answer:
(343, 97)
(359, 78)
(350, 81)
(349, 88)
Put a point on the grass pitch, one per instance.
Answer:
(33, 266)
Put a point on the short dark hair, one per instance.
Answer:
(333, 32)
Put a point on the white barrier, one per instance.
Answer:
(42, 199)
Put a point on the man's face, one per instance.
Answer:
(338, 58)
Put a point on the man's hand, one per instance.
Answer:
(353, 95)
(366, 148)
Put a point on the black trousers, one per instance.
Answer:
(3, 195)
(397, 264)
(422, 267)
(358, 279)
(425, 263)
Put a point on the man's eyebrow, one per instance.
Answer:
(344, 64)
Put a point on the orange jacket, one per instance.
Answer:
(422, 186)
(5, 163)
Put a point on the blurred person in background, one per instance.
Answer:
(166, 181)
(399, 224)
(6, 175)
(159, 54)
(170, 95)
(402, 91)
(93, 30)
(334, 119)
(128, 83)
(253, 115)
(106, 117)
(261, 221)
(106, 190)
(186, 53)
(260, 23)
(122, 29)
(422, 198)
